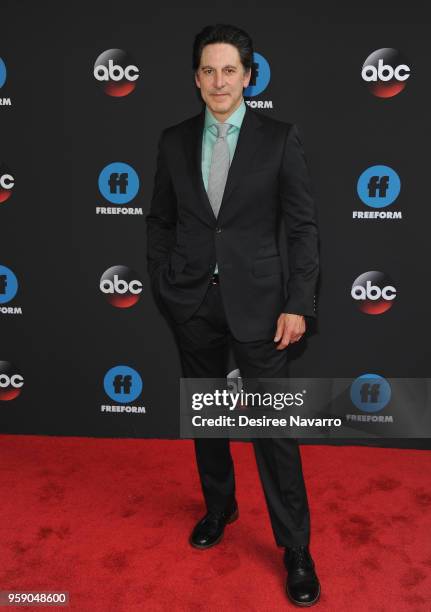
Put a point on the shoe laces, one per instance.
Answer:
(300, 555)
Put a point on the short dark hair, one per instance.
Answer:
(224, 33)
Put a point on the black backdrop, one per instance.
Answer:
(62, 129)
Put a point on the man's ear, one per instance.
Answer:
(197, 79)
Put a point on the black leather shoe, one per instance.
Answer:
(209, 530)
(302, 585)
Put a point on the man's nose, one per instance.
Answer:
(219, 80)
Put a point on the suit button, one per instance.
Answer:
(218, 230)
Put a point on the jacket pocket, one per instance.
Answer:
(267, 266)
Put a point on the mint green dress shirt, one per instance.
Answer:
(210, 136)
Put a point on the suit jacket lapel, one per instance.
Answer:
(249, 139)
(248, 143)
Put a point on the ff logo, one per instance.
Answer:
(118, 183)
(121, 286)
(8, 285)
(122, 384)
(378, 186)
(260, 76)
(374, 292)
(370, 392)
(7, 183)
(385, 72)
(3, 73)
(116, 72)
(11, 381)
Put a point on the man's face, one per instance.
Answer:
(221, 79)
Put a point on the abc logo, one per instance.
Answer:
(116, 72)
(11, 381)
(121, 286)
(7, 183)
(374, 292)
(385, 73)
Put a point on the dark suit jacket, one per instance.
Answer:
(268, 184)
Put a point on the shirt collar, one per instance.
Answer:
(234, 119)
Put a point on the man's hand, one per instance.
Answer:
(290, 328)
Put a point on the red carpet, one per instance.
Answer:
(108, 521)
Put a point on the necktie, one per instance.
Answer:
(219, 168)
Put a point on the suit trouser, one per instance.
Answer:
(203, 343)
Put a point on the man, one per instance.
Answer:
(226, 180)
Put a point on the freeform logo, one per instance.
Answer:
(118, 183)
(374, 292)
(259, 81)
(11, 381)
(116, 72)
(3, 76)
(378, 187)
(385, 72)
(3, 72)
(7, 183)
(121, 286)
(123, 384)
(8, 290)
(370, 393)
